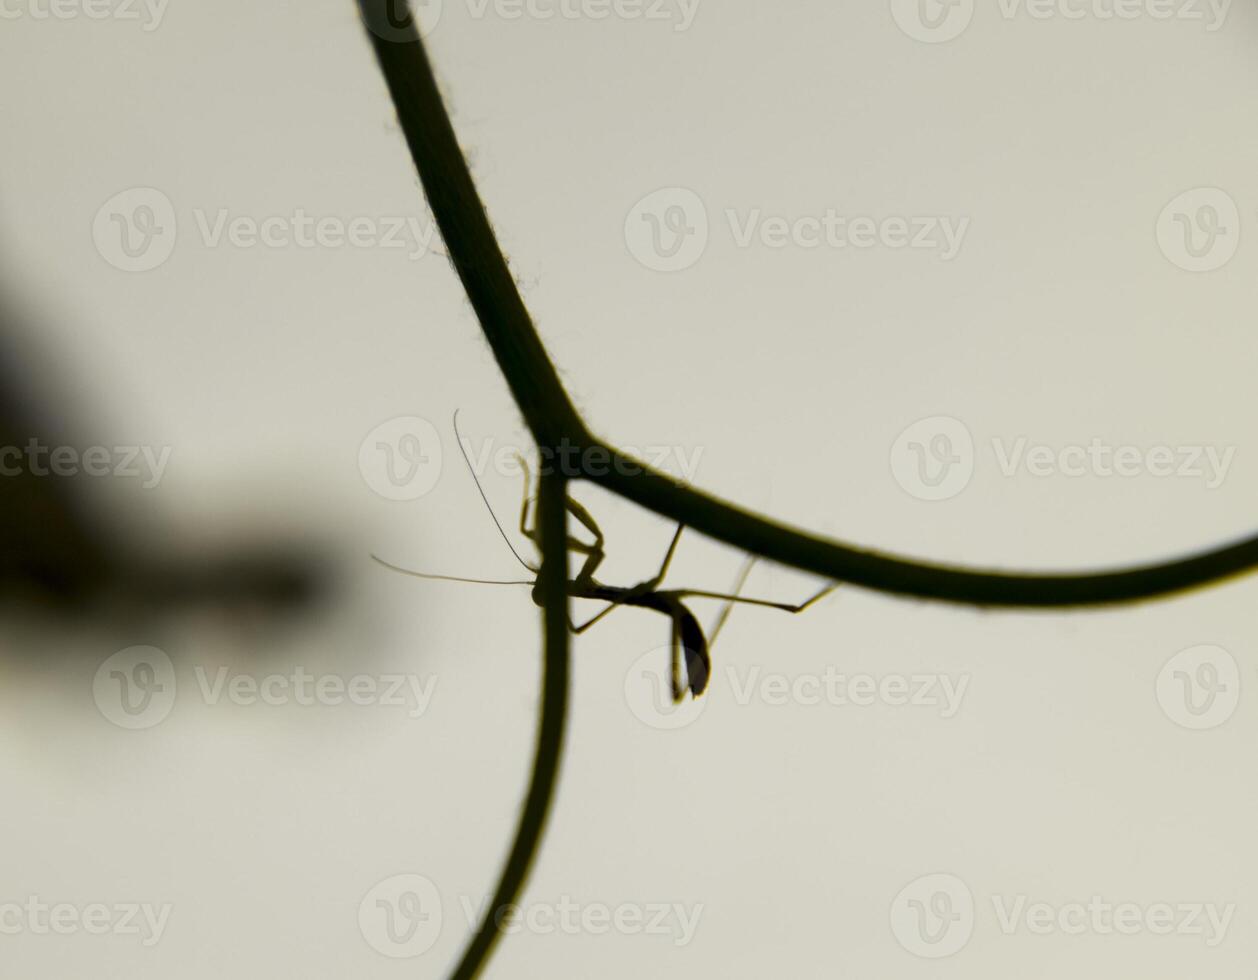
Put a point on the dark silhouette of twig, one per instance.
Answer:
(552, 584)
(65, 553)
(555, 425)
(554, 422)
(760, 536)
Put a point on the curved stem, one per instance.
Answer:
(465, 230)
(549, 413)
(831, 559)
(555, 423)
(553, 591)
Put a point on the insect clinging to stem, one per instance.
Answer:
(690, 646)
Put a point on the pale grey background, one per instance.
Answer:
(793, 370)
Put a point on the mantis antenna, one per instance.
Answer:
(444, 578)
(458, 438)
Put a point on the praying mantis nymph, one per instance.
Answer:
(690, 646)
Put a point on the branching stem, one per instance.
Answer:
(554, 422)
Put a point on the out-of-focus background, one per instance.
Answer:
(971, 282)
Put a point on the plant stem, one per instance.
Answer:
(553, 584)
(553, 420)
(869, 569)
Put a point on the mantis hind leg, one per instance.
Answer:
(723, 615)
(781, 606)
(647, 586)
(597, 617)
(594, 553)
(652, 583)
(734, 597)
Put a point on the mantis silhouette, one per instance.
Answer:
(690, 646)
